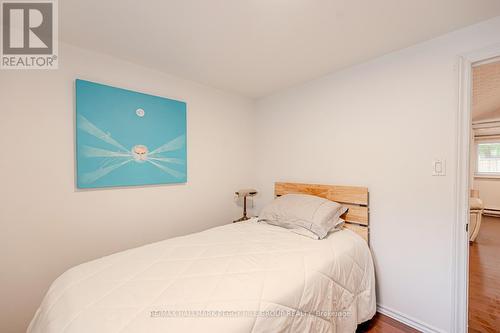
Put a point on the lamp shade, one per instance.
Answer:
(246, 192)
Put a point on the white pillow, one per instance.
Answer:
(293, 211)
(310, 234)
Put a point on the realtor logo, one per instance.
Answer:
(29, 35)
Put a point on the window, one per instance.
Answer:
(488, 158)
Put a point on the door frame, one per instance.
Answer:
(460, 261)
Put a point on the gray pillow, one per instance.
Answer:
(309, 212)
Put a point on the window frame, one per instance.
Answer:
(478, 174)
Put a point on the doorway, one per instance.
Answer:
(484, 201)
(472, 160)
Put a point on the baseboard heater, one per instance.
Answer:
(491, 212)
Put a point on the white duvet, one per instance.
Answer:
(243, 277)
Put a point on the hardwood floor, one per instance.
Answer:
(384, 324)
(484, 278)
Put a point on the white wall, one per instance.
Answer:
(47, 226)
(381, 124)
(489, 191)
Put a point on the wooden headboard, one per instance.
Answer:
(354, 197)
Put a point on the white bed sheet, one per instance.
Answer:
(266, 278)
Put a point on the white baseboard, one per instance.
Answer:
(407, 320)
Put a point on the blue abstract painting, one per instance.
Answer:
(126, 138)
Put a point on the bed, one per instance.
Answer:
(241, 277)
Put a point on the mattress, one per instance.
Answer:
(242, 277)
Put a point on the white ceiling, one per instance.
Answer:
(257, 47)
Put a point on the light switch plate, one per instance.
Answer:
(439, 168)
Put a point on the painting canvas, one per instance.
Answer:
(127, 138)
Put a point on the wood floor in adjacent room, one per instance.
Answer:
(384, 324)
(484, 278)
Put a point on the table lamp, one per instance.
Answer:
(244, 193)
